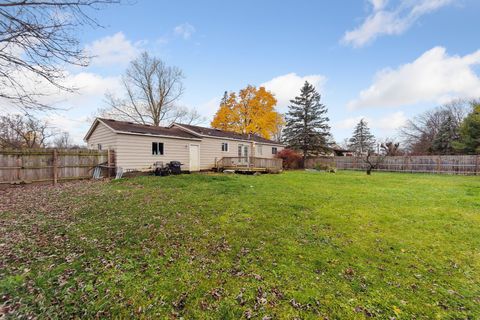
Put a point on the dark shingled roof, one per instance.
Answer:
(146, 129)
(175, 131)
(226, 134)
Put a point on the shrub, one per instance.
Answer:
(291, 159)
(320, 166)
(325, 167)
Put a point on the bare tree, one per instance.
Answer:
(277, 134)
(37, 39)
(372, 160)
(390, 148)
(62, 140)
(18, 131)
(420, 132)
(151, 92)
(188, 116)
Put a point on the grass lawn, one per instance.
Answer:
(295, 245)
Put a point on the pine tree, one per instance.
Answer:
(447, 134)
(362, 140)
(307, 126)
(470, 132)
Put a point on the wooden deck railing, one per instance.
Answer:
(250, 163)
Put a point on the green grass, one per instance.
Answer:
(294, 245)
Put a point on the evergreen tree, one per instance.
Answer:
(362, 140)
(470, 133)
(447, 134)
(307, 126)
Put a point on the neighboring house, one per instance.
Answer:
(138, 147)
(342, 152)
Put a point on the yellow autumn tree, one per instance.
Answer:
(252, 111)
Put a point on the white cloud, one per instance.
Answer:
(433, 77)
(76, 127)
(209, 108)
(385, 125)
(112, 50)
(184, 30)
(89, 86)
(82, 103)
(378, 4)
(349, 123)
(287, 87)
(92, 84)
(284, 87)
(392, 21)
(391, 122)
(72, 106)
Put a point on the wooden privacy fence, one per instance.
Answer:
(43, 165)
(457, 164)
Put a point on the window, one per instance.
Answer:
(99, 146)
(274, 150)
(157, 148)
(242, 151)
(225, 146)
(259, 149)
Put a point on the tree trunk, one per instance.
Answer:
(369, 171)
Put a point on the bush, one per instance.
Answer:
(320, 166)
(325, 167)
(291, 159)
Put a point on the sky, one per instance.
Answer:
(383, 60)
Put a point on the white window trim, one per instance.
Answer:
(227, 146)
(158, 154)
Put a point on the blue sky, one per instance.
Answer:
(383, 60)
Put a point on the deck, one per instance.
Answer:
(249, 164)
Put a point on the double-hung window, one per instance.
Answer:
(157, 148)
(274, 150)
(225, 146)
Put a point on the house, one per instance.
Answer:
(138, 147)
(341, 152)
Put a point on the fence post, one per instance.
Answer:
(55, 166)
(476, 164)
(19, 164)
(109, 162)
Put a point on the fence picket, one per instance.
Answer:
(40, 165)
(455, 164)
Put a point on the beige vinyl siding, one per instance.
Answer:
(135, 151)
(211, 150)
(266, 150)
(102, 135)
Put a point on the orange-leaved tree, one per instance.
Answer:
(251, 111)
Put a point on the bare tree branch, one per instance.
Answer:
(37, 39)
(28, 132)
(419, 132)
(151, 91)
(372, 160)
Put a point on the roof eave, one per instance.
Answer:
(156, 135)
(223, 138)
